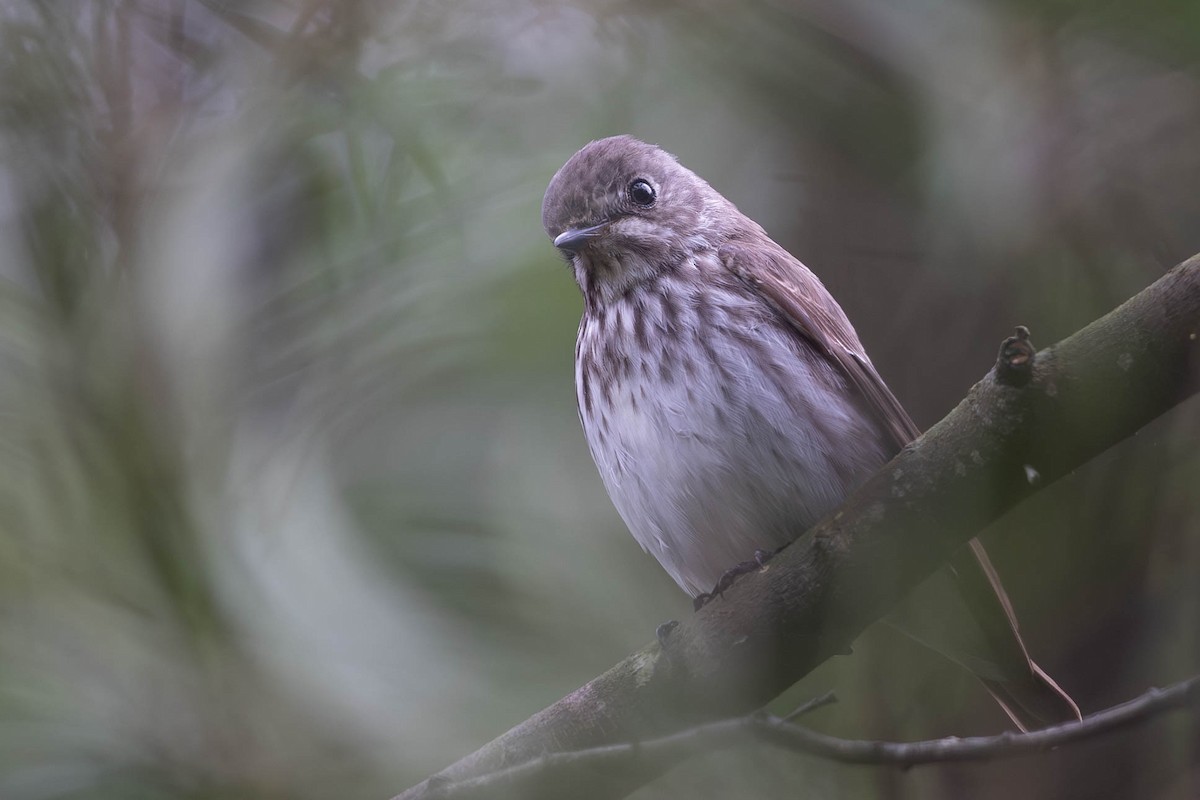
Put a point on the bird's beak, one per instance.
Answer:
(572, 239)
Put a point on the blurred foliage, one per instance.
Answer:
(293, 495)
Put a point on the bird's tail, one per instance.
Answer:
(1034, 703)
(963, 613)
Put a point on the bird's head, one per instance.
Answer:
(622, 211)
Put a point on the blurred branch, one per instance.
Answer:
(566, 768)
(307, 49)
(1006, 440)
(254, 29)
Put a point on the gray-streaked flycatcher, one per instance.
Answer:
(726, 399)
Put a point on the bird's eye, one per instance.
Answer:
(641, 193)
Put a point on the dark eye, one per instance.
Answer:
(641, 193)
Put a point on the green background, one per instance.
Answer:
(293, 497)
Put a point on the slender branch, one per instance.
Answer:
(1081, 397)
(820, 701)
(1141, 709)
(782, 732)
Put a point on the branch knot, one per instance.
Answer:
(1014, 364)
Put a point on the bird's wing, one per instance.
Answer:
(800, 297)
(1028, 695)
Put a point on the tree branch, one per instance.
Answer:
(1082, 396)
(780, 731)
(1185, 694)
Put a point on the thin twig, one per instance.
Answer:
(779, 731)
(980, 748)
(829, 698)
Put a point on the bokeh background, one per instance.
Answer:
(293, 498)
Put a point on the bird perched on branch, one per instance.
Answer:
(727, 400)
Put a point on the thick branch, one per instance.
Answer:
(1083, 395)
(564, 767)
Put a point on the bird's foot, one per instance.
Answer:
(727, 579)
(663, 631)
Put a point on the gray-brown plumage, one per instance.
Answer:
(727, 400)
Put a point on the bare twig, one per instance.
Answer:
(779, 731)
(820, 701)
(980, 748)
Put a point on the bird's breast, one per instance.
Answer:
(714, 427)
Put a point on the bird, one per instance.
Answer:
(726, 399)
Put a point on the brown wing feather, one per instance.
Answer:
(800, 297)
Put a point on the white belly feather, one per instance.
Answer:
(723, 457)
